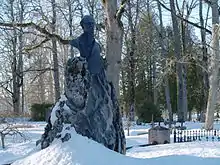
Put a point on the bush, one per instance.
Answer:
(145, 112)
(39, 111)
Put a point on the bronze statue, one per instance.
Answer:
(87, 45)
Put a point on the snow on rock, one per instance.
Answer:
(53, 116)
(89, 104)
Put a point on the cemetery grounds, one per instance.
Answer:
(200, 152)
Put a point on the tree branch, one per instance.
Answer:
(38, 70)
(208, 2)
(2, 85)
(38, 45)
(192, 23)
(121, 10)
(38, 28)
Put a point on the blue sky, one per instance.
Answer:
(194, 17)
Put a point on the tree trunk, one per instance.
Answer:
(190, 116)
(150, 68)
(131, 60)
(41, 86)
(184, 69)
(155, 92)
(20, 55)
(54, 52)
(166, 82)
(177, 51)
(153, 88)
(214, 77)
(205, 64)
(15, 69)
(70, 11)
(51, 88)
(114, 33)
(123, 86)
(185, 100)
(3, 140)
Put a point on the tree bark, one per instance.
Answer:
(51, 88)
(166, 82)
(205, 63)
(114, 33)
(70, 11)
(177, 51)
(150, 61)
(152, 66)
(184, 68)
(2, 140)
(20, 54)
(131, 62)
(54, 52)
(214, 77)
(41, 82)
(190, 116)
(15, 66)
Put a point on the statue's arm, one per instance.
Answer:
(74, 43)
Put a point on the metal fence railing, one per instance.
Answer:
(195, 135)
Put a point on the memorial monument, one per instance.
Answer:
(89, 103)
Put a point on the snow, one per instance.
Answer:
(80, 150)
(197, 149)
(17, 147)
(56, 107)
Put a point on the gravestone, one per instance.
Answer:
(89, 105)
(159, 135)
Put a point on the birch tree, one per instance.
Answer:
(54, 52)
(204, 59)
(114, 34)
(215, 69)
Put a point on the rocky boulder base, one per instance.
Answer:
(90, 106)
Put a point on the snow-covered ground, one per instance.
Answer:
(80, 150)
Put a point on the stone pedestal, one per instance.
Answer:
(159, 135)
(90, 106)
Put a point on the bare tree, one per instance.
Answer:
(132, 24)
(177, 49)
(14, 38)
(187, 7)
(20, 52)
(163, 54)
(54, 52)
(70, 12)
(7, 129)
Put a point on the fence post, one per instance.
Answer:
(200, 135)
(174, 136)
(196, 134)
(190, 136)
(181, 134)
(193, 135)
(184, 137)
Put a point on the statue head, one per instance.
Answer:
(88, 23)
